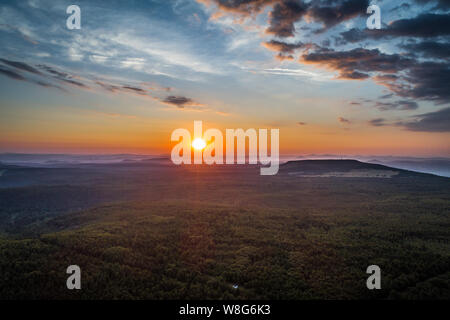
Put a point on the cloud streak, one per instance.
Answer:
(438, 121)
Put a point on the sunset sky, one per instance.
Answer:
(137, 70)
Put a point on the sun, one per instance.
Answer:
(198, 144)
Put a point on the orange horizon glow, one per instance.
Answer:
(96, 134)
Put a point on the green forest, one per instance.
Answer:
(193, 234)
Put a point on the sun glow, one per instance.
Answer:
(198, 144)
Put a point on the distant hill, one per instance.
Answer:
(342, 168)
(434, 166)
(9, 166)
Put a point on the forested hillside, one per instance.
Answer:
(177, 233)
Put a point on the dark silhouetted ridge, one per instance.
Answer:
(324, 166)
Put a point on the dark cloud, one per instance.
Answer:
(357, 63)
(11, 74)
(283, 16)
(135, 90)
(75, 83)
(283, 47)
(386, 96)
(300, 123)
(283, 57)
(386, 77)
(326, 43)
(16, 76)
(377, 122)
(108, 87)
(398, 105)
(353, 75)
(406, 105)
(46, 73)
(124, 88)
(355, 103)
(285, 13)
(20, 65)
(402, 73)
(353, 35)
(286, 50)
(403, 6)
(49, 85)
(426, 81)
(63, 76)
(241, 6)
(423, 26)
(331, 13)
(430, 49)
(440, 4)
(406, 77)
(53, 71)
(438, 121)
(50, 73)
(180, 101)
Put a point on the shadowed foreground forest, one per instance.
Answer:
(150, 230)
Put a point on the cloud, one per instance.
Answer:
(246, 7)
(403, 6)
(135, 90)
(172, 53)
(438, 121)
(285, 13)
(181, 102)
(133, 63)
(386, 96)
(404, 74)
(49, 72)
(430, 49)
(53, 71)
(63, 76)
(283, 16)
(286, 50)
(331, 15)
(343, 120)
(427, 81)
(108, 87)
(425, 25)
(20, 65)
(440, 4)
(74, 83)
(11, 74)
(386, 77)
(377, 122)
(98, 58)
(356, 63)
(282, 47)
(292, 73)
(45, 72)
(300, 123)
(351, 36)
(17, 76)
(49, 85)
(399, 105)
(353, 75)
(116, 88)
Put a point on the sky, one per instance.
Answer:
(137, 70)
